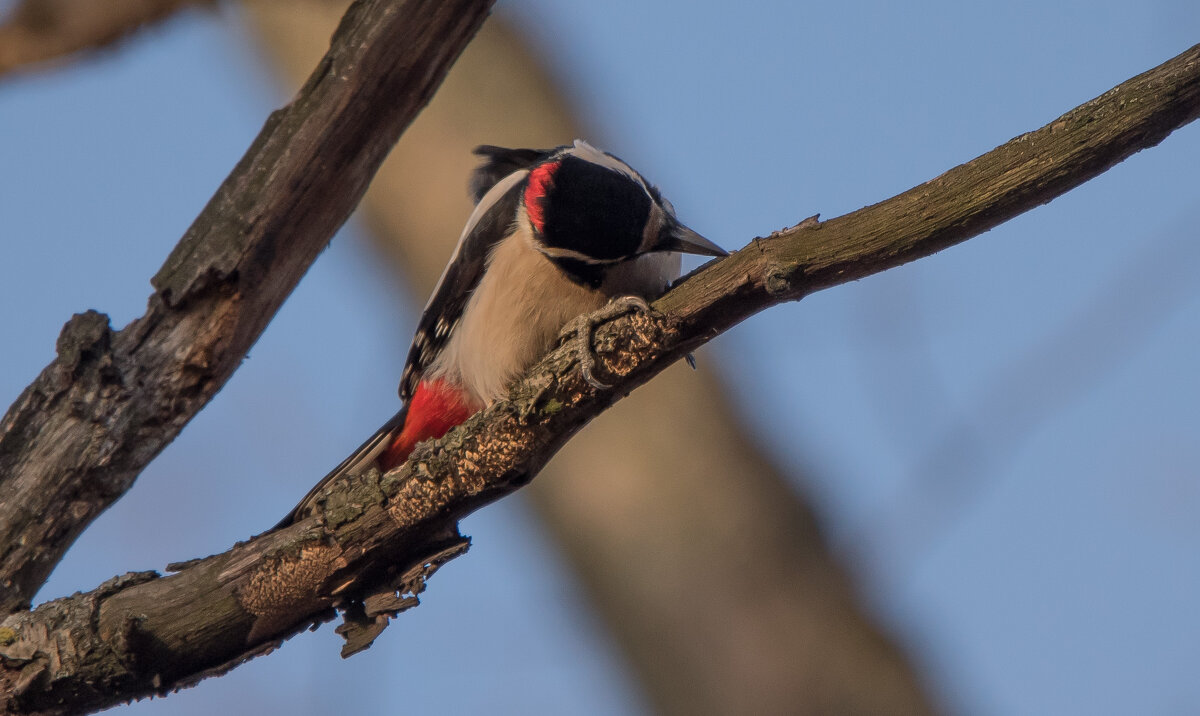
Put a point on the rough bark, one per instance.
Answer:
(38, 32)
(650, 526)
(372, 536)
(75, 439)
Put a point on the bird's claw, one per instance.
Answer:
(580, 329)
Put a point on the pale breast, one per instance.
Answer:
(519, 307)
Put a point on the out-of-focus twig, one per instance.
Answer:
(38, 32)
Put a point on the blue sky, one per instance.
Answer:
(1000, 438)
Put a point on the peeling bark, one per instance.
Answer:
(650, 526)
(78, 436)
(143, 633)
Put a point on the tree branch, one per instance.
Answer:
(1024, 173)
(814, 644)
(75, 439)
(37, 32)
(374, 537)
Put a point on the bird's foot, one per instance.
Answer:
(580, 331)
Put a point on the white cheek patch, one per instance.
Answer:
(654, 227)
(556, 252)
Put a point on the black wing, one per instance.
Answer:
(499, 162)
(491, 221)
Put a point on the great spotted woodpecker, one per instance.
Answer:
(555, 234)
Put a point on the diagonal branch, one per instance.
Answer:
(815, 644)
(375, 536)
(74, 441)
(1027, 171)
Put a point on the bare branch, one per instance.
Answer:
(814, 644)
(37, 32)
(74, 441)
(1024, 173)
(375, 535)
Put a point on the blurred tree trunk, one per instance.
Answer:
(704, 562)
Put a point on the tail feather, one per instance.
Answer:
(435, 407)
(358, 461)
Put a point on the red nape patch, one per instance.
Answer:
(436, 407)
(540, 181)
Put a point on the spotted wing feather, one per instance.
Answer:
(492, 221)
(358, 461)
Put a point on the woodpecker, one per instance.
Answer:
(556, 234)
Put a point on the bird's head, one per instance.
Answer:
(589, 210)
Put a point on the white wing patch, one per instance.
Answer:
(487, 226)
(489, 199)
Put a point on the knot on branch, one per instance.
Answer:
(777, 281)
(85, 344)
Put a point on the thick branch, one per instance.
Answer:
(374, 535)
(627, 519)
(36, 32)
(1026, 172)
(78, 436)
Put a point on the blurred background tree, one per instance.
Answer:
(891, 403)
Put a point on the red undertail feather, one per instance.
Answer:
(436, 406)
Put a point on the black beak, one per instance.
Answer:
(680, 239)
